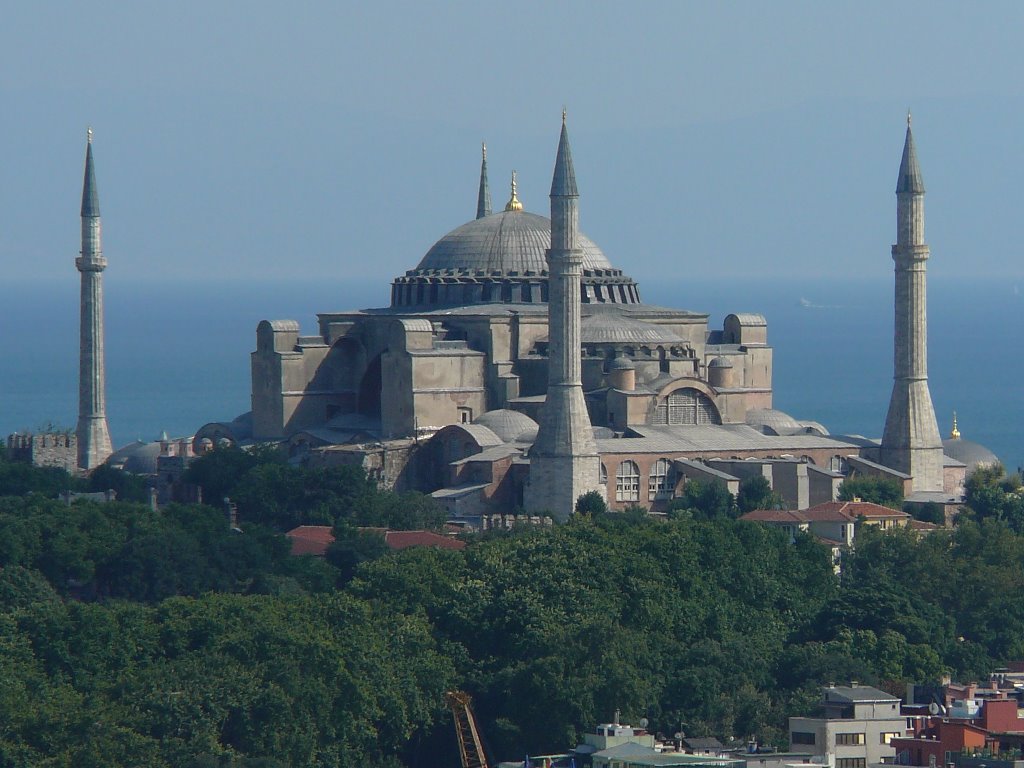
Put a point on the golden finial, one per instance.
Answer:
(563, 114)
(513, 203)
(483, 149)
(88, 134)
(955, 434)
(908, 117)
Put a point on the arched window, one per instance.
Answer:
(627, 482)
(686, 406)
(661, 482)
(604, 474)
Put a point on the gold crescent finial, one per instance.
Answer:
(955, 434)
(513, 202)
(88, 134)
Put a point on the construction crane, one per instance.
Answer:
(471, 751)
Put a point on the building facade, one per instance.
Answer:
(855, 730)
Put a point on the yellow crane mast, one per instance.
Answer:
(471, 751)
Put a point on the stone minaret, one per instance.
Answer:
(911, 442)
(483, 198)
(93, 434)
(563, 460)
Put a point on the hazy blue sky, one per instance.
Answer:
(266, 139)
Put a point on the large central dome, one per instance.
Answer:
(509, 242)
(501, 258)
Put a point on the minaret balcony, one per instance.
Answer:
(91, 263)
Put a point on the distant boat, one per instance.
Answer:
(808, 304)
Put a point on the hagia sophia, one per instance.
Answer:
(517, 367)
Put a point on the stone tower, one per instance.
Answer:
(911, 442)
(564, 463)
(93, 434)
(483, 198)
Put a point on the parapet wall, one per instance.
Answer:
(49, 449)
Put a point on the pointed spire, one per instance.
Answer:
(563, 183)
(910, 172)
(90, 200)
(513, 203)
(483, 199)
(955, 434)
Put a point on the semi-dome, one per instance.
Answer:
(509, 242)
(617, 329)
(508, 425)
(771, 421)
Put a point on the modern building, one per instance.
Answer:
(855, 729)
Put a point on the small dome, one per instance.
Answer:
(510, 426)
(510, 241)
(972, 454)
(622, 364)
(138, 458)
(720, 362)
(771, 421)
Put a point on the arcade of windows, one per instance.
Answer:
(684, 407)
(660, 483)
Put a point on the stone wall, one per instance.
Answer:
(49, 449)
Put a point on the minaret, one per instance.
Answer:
(911, 442)
(93, 434)
(483, 198)
(564, 463)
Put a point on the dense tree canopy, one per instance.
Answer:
(134, 637)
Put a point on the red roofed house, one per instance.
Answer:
(311, 539)
(833, 521)
(315, 539)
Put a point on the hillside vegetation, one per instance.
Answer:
(138, 638)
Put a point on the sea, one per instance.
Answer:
(177, 352)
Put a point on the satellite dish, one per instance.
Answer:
(678, 735)
(933, 708)
(643, 722)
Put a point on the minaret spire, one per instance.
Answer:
(483, 198)
(93, 434)
(911, 441)
(564, 463)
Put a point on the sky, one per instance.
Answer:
(331, 139)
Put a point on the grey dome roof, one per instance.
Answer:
(508, 425)
(969, 452)
(779, 422)
(138, 458)
(609, 328)
(510, 241)
(720, 362)
(622, 364)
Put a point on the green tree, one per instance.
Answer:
(591, 504)
(705, 501)
(878, 490)
(756, 493)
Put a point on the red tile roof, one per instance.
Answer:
(774, 516)
(851, 510)
(311, 539)
(315, 539)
